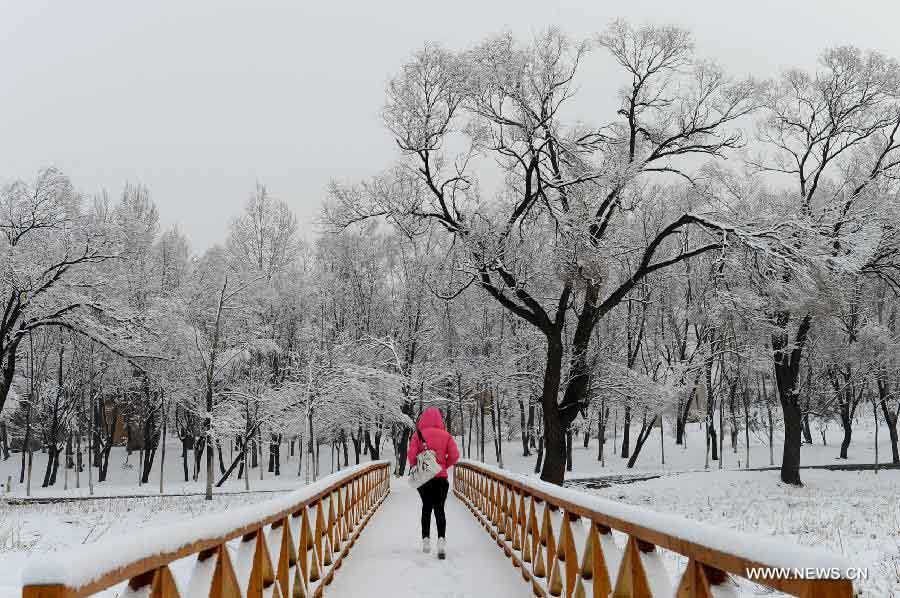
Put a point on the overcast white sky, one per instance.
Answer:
(200, 99)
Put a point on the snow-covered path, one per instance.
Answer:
(387, 560)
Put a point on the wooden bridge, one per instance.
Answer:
(561, 543)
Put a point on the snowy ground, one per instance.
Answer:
(693, 456)
(388, 561)
(123, 476)
(854, 513)
(30, 531)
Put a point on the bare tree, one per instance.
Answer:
(570, 190)
(834, 135)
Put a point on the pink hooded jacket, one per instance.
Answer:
(431, 423)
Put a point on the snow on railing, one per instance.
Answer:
(307, 534)
(541, 526)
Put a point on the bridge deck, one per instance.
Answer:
(388, 561)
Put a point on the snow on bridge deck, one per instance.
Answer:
(388, 560)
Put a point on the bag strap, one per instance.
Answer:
(422, 438)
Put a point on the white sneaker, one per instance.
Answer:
(426, 545)
(442, 548)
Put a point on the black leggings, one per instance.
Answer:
(434, 495)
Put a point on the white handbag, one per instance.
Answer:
(426, 465)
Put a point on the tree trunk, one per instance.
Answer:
(26, 443)
(7, 368)
(4, 441)
(735, 430)
(626, 433)
(481, 432)
(787, 367)
(875, 416)
(162, 456)
(790, 465)
(375, 448)
(184, 458)
(104, 461)
(219, 458)
(554, 462)
(643, 435)
(684, 412)
(847, 426)
(602, 418)
(807, 433)
(890, 418)
(357, 443)
(523, 426)
(540, 454)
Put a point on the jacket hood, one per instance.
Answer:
(431, 418)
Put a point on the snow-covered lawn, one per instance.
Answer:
(31, 531)
(692, 456)
(123, 476)
(856, 514)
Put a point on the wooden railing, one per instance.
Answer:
(564, 544)
(289, 547)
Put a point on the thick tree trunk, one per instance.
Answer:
(787, 368)
(790, 465)
(4, 441)
(7, 368)
(554, 458)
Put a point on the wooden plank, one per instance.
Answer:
(631, 582)
(164, 584)
(224, 581)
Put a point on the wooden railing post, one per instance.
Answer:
(224, 580)
(532, 523)
(266, 561)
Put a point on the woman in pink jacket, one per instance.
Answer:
(434, 491)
